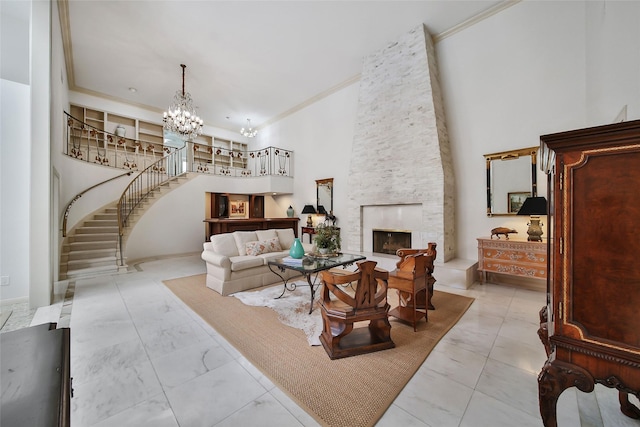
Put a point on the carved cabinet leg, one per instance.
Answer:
(556, 377)
(628, 408)
(543, 332)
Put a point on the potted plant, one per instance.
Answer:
(327, 239)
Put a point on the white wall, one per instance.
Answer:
(506, 81)
(40, 233)
(14, 189)
(321, 136)
(613, 60)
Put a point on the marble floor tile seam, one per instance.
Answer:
(231, 416)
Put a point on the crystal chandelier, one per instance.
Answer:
(181, 116)
(249, 132)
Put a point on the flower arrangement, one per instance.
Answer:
(327, 238)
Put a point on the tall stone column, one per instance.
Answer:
(401, 151)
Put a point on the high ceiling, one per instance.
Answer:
(245, 59)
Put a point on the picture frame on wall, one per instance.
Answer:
(238, 209)
(515, 200)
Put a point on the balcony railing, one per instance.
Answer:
(90, 144)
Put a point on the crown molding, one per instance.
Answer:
(475, 19)
(65, 27)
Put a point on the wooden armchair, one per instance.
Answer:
(369, 303)
(423, 298)
(409, 280)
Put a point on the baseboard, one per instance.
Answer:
(10, 301)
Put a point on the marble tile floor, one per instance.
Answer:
(140, 357)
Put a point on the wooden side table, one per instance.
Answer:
(514, 257)
(310, 231)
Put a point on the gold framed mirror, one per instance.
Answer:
(324, 193)
(511, 178)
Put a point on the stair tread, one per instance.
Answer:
(92, 251)
(90, 260)
(92, 270)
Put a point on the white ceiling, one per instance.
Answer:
(245, 59)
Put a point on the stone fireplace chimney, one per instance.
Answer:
(401, 156)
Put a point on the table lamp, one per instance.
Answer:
(321, 210)
(309, 209)
(534, 207)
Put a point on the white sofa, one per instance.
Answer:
(238, 261)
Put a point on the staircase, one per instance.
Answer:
(91, 249)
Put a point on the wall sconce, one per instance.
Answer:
(534, 207)
(310, 210)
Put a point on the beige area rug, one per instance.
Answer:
(350, 392)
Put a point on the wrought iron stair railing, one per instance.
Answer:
(67, 210)
(90, 144)
(142, 186)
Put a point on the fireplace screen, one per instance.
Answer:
(389, 241)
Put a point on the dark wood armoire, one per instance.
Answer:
(591, 324)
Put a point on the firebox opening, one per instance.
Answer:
(389, 241)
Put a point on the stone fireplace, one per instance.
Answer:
(401, 173)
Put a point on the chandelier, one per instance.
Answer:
(249, 132)
(181, 116)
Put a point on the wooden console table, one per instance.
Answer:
(513, 257)
(228, 225)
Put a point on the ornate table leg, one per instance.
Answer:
(555, 377)
(313, 292)
(284, 281)
(292, 286)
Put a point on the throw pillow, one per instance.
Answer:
(263, 247)
(273, 245)
(242, 237)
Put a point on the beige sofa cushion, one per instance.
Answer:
(242, 238)
(244, 262)
(286, 236)
(266, 234)
(224, 244)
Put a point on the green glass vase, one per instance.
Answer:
(296, 250)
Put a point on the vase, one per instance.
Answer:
(120, 131)
(290, 212)
(323, 251)
(297, 250)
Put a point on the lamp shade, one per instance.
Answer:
(534, 206)
(322, 210)
(308, 209)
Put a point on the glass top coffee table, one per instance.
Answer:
(308, 266)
